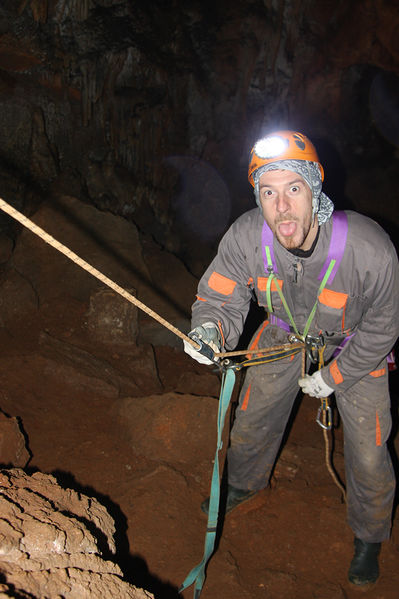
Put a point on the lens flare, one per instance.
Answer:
(270, 147)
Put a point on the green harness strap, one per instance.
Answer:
(272, 277)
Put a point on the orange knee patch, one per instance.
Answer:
(336, 373)
(246, 399)
(377, 431)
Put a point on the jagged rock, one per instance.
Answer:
(111, 318)
(56, 542)
(13, 451)
(113, 246)
(170, 427)
(75, 367)
(6, 248)
(17, 299)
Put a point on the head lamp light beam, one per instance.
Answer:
(270, 147)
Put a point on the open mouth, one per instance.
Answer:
(287, 229)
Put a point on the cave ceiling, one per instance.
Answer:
(149, 109)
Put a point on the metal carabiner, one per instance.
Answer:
(227, 364)
(328, 411)
(313, 344)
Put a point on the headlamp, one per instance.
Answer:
(270, 147)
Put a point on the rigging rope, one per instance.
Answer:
(29, 224)
(326, 426)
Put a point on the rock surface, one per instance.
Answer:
(55, 542)
(148, 460)
(13, 451)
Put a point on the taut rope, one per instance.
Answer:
(90, 269)
(29, 224)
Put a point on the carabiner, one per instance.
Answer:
(313, 344)
(327, 410)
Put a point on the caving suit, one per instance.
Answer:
(358, 314)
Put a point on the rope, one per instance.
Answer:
(328, 457)
(328, 461)
(90, 269)
(29, 224)
(284, 346)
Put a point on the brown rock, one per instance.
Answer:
(111, 318)
(50, 541)
(13, 450)
(17, 299)
(171, 427)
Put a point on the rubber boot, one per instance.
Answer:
(364, 566)
(234, 498)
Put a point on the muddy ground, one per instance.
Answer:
(149, 461)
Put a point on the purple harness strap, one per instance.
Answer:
(335, 251)
(280, 323)
(337, 244)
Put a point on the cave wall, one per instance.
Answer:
(149, 110)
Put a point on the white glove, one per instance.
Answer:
(209, 334)
(314, 385)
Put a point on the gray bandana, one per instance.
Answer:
(310, 172)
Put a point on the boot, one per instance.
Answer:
(234, 498)
(364, 566)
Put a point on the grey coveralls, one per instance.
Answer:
(360, 306)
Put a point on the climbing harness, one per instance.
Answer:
(327, 273)
(314, 344)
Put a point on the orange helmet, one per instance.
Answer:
(282, 145)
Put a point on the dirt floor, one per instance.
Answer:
(149, 460)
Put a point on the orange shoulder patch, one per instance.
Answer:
(262, 282)
(221, 284)
(333, 299)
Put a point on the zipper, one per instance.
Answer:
(298, 269)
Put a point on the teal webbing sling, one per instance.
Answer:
(197, 574)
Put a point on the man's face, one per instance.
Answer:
(286, 202)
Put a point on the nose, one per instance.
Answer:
(282, 202)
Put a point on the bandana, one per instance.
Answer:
(310, 172)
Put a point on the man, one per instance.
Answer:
(332, 279)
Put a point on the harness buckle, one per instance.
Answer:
(292, 338)
(313, 343)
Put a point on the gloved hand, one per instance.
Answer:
(209, 334)
(314, 385)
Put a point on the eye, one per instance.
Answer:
(295, 189)
(267, 193)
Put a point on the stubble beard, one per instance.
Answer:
(293, 242)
